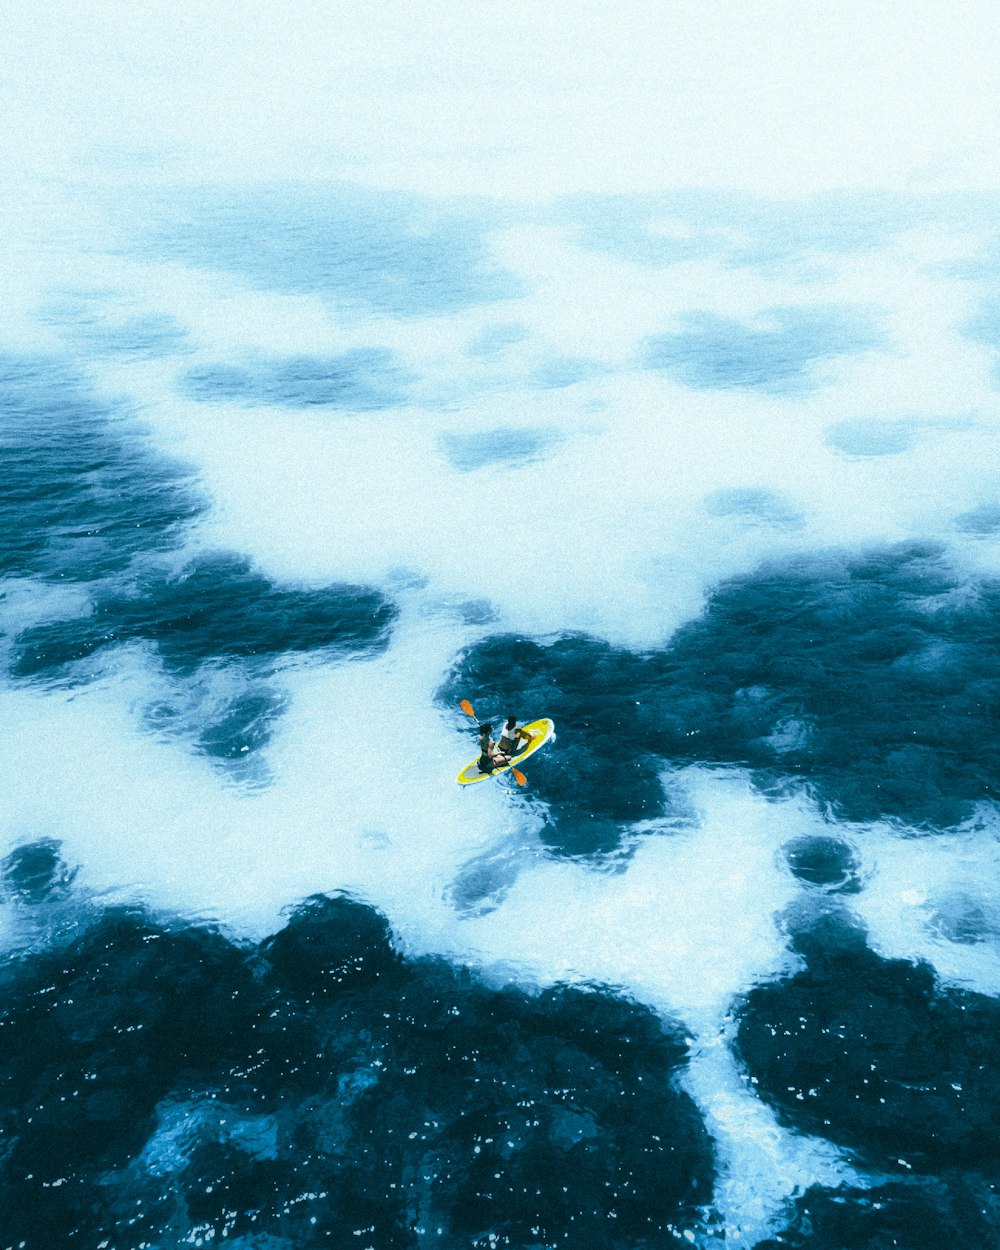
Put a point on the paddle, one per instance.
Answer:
(519, 777)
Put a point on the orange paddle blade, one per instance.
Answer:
(466, 707)
(519, 777)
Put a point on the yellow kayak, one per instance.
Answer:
(541, 731)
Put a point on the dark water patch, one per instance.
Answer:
(363, 380)
(92, 1035)
(475, 611)
(492, 343)
(644, 230)
(775, 355)
(102, 324)
(824, 861)
(981, 522)
(528, 1118)
(219, 608)
(145, 337)
(871, 438)
(220, 630)
(965, 917)
(35, 872)
(483, 882)
(872, 679)
(512, 446)
(951, 1213)
(591, 801)
(82, 491)
(563, 371)
(460, 608)
(876, 1055)
(892, 668)
(159, 1084)
(232, 1197)
(984, 327)
(178, 986)
(330, 943)
(243, 726)
(667, 229)
(226, 714)
(756, 504)
(386, 252)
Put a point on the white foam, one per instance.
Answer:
(935, 898)
(762, 1166)
(697, 906)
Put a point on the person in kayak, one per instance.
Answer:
(489, 758)
(512, 737)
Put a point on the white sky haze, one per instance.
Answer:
(520, 99)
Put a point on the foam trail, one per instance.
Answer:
(763, 1165)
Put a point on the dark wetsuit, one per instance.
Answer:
(486, 763)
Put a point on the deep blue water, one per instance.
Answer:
(166, 1081)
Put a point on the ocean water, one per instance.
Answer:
(713, 481)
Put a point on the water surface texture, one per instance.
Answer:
(316, 422)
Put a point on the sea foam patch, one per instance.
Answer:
(936, 899)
